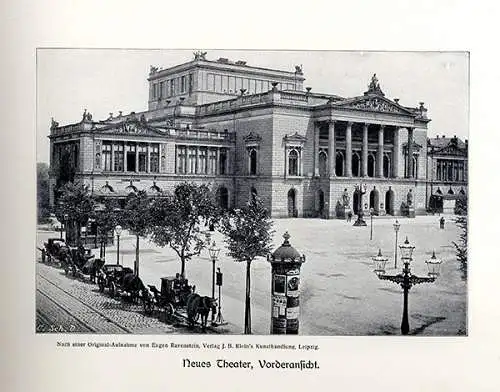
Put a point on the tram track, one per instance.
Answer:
(84, 309)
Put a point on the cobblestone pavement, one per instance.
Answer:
(65, 304)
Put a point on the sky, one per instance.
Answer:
(109, 80)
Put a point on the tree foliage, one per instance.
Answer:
(106, 218)
(248, 231)
(42, 190)
(176, 220)
(461, 245)
(77, 204)
(136, 218)
(248, 234)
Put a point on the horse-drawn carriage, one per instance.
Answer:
(82, 262)
(56, 251)
(172, 295)
(121, 282)
(178, 297)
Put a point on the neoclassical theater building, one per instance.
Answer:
(253, 131)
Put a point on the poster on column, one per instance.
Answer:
(292, 286)
(279, 282)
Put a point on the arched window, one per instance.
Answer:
(293, 163)
(371, 166)
(462, 192)
(450, 192)
(323, 159)
(223, 197)
(387, 166)
(356, 166)
(253, 194)
(252, 165)
(339, 164)
(439, 192)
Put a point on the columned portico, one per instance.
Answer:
(380, 152)
(364, 158)
(316, 149)
(409, 157)
(331, 147)
(348, 150)
(396, 153)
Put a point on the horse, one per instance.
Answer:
(198, 305)
(133, 285)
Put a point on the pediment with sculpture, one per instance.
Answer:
(374, 104)
(252, 138)
(133, 127)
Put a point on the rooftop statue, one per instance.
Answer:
(54, 124)
(153, 69)
(374, 86)
(199, 55)
(298, 69)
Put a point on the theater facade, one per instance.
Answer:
(253, 131)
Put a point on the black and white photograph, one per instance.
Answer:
(319, 193)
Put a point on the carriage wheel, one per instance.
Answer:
(169, 311)
(148, 306)
(112, 289)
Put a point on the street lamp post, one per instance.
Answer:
(396, 226)
(406, 279)
(371, 223)
(361, 190)
(65, 223)
(214, 254)
(219, 320)
(118, 231)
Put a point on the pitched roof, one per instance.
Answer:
(439, 142)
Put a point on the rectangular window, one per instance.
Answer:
(155, 158)
(155, 90)
(212, 163)
(183, 84)
(258, 86)
(222, 161)
(192, 160)
(251, 86)
(211, 82)
(181, 159)
(239, 85)
(245, 84)
(130, 151)
(161, 90)
(118, 151)
(172, 87)
(106, 156)
(190, 83)
(143, 157)
(218, 83)
(225, 83)
(203, 161)
(232, 84)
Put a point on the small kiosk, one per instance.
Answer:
(285, 282)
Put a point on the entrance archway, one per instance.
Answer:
(321, 202)
(389, 202)
(223, 194)
(371, 166)
(355, 202)
(356, 167)
(292, 207)
(374, 203)
(339, 164)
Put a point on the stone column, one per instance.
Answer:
(380, 152)
(396, 153)
(286, 161)
(331, 147)
(125, 156)
(113, 156)
(364, 158)
(137, 157)
(148, 164)
(409, 161)
(217, 163)
(348, 150)
(186, 169)
(316, 150)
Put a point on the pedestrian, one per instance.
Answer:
(349, 217)
(441, 223)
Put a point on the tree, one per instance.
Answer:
(136, 218)
(76, 202)
(176, 220)
(461, 246)
(248, 233)
(106, 218)
(42, 177)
